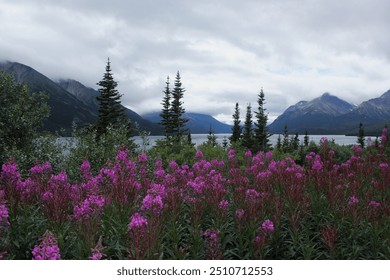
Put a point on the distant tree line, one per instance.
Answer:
(172, 113)
(254, 134)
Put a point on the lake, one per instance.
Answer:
(198, 139)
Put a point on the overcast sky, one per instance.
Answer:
(225, 50)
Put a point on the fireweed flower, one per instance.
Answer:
(248, 154)
(240, 213)
(85, 169)
(137, 222)
(88, 207)
(317, 164)
(142, 158)
(384, 166)
(4, 216)
(231, 154)
(223, 205)
(267, 226)
(41, 169)
(199, 155)
(353, 200)
(47, 249)
(213, 248)
(153, 203)
(373, 204)
(251, 195)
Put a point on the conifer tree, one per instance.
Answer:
(361, 139)
(177, 110)
(261, 135)
(166, 119)
(306, 139)
(236, 129)
(110, 110)
(286, 141)
(247, 137)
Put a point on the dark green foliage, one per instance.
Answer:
(166, 116)
(21, 114)
(247, 136)
(177, 110)
(211, 138)
(261, 135)
(306, 139)
(236, 129)
(361, 140)
(84, 146)
(110, 110)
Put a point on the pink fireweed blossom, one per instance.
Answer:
(384, 166)
(85, 169)
(198, 155)
(248, 154)
(374, 204)
(142, 158)
(212, 235)
(153, 203)
(88, 207)
(231, 154)
(317, 164)
(251, 194)
(47, 249)
(223, 205)
(353, 200)
(240, 213)
(41, 169)
(4, 216)
(137, 222)
(267, 226)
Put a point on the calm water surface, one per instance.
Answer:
(198, 139)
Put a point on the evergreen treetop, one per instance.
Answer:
(177, 110)
(236, 129)
(166, 118)
(247, 137)
(261, 135)
(111, 112)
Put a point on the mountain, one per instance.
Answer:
(69, 100)
(198, 123)
(88, 97)
(316, 116)
(374, 114)
(65, 107)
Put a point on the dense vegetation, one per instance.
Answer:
(104, 198)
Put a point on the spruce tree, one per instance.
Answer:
(177, 110)
(166, 118)
(110, 110)
(261, 135)
(247, 137)
(236, 129)
(306, 139)
(286, 142)
(361, 139)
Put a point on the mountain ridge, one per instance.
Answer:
(329, 114)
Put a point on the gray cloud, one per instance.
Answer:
(225, 50)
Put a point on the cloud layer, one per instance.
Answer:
(225, 50)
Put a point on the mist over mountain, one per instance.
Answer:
(65, 107)
(88, 97)
(70, 101)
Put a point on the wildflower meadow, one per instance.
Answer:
(242, 206)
